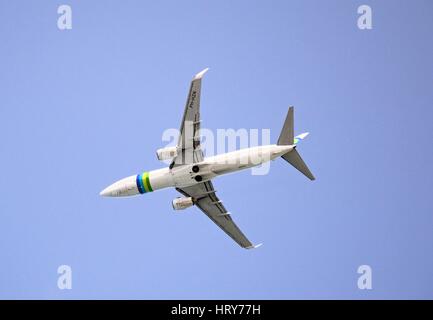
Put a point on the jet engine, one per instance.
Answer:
(166, 153)
(182, 203)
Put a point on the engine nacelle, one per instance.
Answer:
(182, 203)
(166, 153)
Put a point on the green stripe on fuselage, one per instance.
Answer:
(146, 182)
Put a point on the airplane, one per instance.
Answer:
(191, 174)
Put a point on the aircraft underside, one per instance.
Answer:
(191, 174)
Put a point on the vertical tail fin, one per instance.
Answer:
(287, 138)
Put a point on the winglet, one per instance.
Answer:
(254, 247)
(200, 74)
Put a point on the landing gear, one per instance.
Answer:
(198, 178)
(195, 169)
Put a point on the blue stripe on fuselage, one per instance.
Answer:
(139, 182)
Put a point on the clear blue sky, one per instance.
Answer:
(82, 108)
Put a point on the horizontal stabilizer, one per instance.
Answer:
(295, 160)
(287, 133)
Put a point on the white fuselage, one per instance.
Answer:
(190, 174)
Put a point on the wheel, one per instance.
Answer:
(198, 178)
(195, 169)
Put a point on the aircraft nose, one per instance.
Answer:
(107, 192)
(122, 188)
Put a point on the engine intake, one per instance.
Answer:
(166, 153)
(182, 203)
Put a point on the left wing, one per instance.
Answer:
(204, 197)
(188, 145)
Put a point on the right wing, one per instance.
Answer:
(206, 200)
